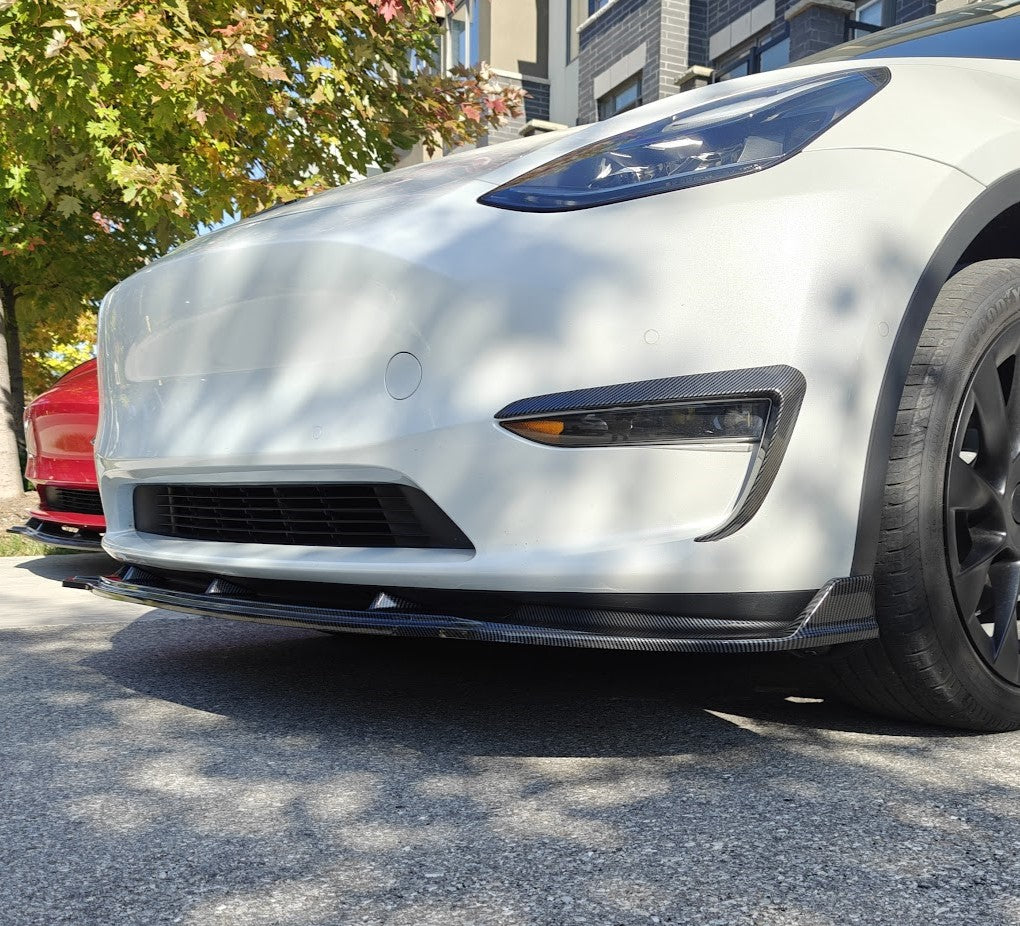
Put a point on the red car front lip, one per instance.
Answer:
(70, 518)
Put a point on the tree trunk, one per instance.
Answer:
(12, 397)
(17, 367)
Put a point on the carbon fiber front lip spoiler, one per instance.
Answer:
(841, 612)
(55, 536)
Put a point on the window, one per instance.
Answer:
(766, 55)
(577, 12)
(420, 64)
(458, 41)
(740, 68)
(463, 35)
(868, 18)
(775, 55)
(978, 30)
(870, 13)
(596, 5)
(626, 96)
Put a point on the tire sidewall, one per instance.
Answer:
(950, 376)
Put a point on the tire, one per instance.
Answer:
(942, 524)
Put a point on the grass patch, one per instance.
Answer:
(13, 545)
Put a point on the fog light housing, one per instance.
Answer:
(737, 421)
(756, 407)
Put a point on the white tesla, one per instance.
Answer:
(734, 371)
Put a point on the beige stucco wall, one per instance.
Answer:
(518, 35)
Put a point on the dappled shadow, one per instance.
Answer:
(236, 773)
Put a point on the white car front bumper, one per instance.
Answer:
(259, 355)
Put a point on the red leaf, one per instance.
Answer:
(389, 9)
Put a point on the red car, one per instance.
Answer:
(60, 427)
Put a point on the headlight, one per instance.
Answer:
(734, 421)
(737, 135)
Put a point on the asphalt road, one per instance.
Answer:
(157, 769)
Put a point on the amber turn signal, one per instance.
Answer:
(736, 420)
(548, 427)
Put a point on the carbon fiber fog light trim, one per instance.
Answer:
(784, 385)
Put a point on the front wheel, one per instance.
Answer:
(947, 576)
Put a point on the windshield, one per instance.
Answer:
(980, 30)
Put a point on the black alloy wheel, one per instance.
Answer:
(982, 507)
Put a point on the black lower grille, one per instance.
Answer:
(79, 501)
(317, 514)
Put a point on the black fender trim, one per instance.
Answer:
(991, 202)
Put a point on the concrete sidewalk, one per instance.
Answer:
(31, 593)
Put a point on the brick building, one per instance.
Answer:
(636, 51)
(585, 60)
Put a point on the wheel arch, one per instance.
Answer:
(976, 235)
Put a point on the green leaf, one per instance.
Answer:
(68, 205)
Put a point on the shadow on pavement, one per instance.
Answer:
(60, 566)
(211, 772)
(485, 698)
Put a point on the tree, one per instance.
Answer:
(128, 125)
